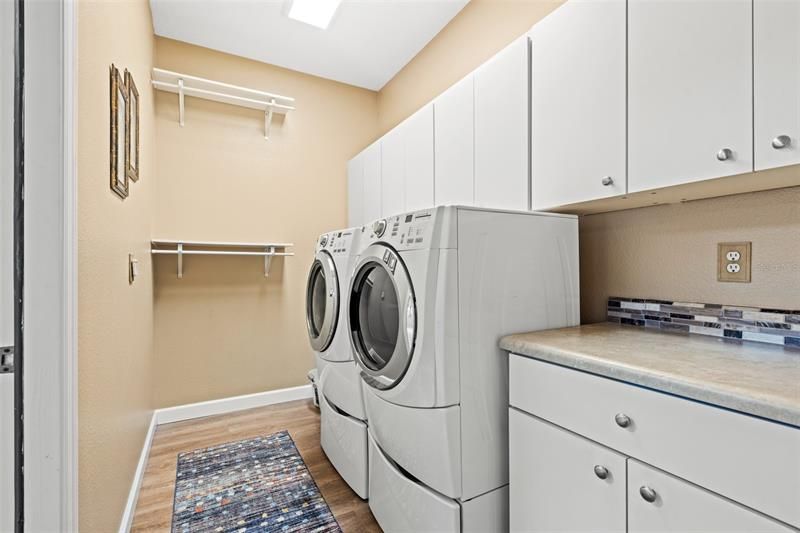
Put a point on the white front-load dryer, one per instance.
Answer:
(431, 294)
(343, 428)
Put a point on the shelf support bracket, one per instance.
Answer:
(268, 119)
(180, 260)
(268, 260)
(180, 101)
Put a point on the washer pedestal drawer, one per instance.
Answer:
(344, 440)
(341, 384)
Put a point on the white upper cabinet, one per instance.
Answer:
(407, 164)
(502, 177)
(690, 89)
(776, 46)
(355, 191)
(371, 158)
(393, 168)
(418, 134)
(578, 86)
(454, 130)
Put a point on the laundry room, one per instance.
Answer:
(402, 266)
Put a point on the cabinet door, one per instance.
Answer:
(372, 183)
(690, 88)
(417, 134)
(674, 505)
(776, 45)
(393, 170)
(578, 117)
(355, 191)
(555, 480)
(502, 177)
(454, 144)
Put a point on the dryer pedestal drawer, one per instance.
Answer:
(400, 504)
(752, 461)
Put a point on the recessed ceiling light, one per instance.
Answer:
(317, 13)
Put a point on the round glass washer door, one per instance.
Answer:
(322, 301)
(383, 316)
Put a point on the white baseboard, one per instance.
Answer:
(133, 495)
(227, 405)
(197, 410)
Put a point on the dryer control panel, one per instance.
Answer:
(408, 231)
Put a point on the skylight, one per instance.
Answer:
(317, 13)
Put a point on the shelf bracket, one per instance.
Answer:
(268, 119)
(268, 260)
(180, 261)
(180, 101)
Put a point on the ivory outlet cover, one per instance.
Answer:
(733, 262)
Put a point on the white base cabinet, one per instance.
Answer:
(562, 482)
(707, 469)
(659, 502)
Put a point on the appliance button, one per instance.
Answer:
(379, 227)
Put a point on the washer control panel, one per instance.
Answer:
(337, 243)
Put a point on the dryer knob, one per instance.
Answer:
(379, 227)
(323, 240)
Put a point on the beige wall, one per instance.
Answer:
(480, 30)
(224, 329)
(670, 251)
(115, 331)
(660, 252)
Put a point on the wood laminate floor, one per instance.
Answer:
(300, 418)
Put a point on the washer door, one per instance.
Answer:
(383, 316)
(322, 301)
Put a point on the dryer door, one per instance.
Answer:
(322, 301)
(382, 316)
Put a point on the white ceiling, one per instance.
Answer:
(366, 44)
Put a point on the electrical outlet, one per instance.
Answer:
(733, 261)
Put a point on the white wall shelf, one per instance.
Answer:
(180, 248)
(186, 85)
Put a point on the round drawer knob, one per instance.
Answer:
(725, 154)
(601, 471)
(781, 141)
(647, 494)
(608, 180)
(622, 420)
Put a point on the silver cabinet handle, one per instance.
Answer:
(781, 141)
(601, 471)
(648, 494)
(724, 154)
(608, 180)
(622, 420)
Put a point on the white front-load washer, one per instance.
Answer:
(343, 428)
(431, 294)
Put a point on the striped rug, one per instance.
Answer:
(259, 484)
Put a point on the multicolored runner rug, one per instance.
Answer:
(259, 484)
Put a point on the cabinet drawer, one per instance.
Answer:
(680, 506)
(747, 459)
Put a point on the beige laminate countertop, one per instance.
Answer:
(757, 379)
